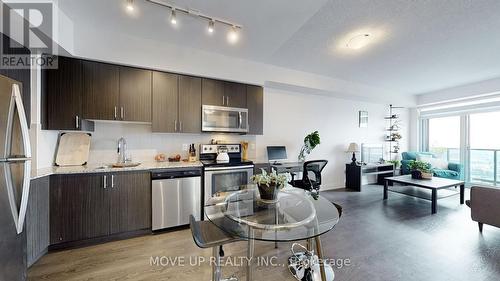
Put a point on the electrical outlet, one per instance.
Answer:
(185, 147)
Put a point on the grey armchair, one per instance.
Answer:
(485, 206)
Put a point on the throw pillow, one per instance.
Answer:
(424, 157)
(437, 163)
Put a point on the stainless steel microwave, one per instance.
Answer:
(224, 119)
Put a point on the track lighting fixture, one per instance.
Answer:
(173, 17)
(129, 5)
(211, 26)
(232, 36)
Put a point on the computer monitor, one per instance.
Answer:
(275, 154)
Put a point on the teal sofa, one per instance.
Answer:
(454, 171)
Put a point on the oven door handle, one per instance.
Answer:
(229, 168)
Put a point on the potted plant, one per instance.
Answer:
(269, 184)
(310, 142)
(420, 170)
(396, 163)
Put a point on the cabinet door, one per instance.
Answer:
(100, 90)
(130, 207)
(212, 92)
(63, 93)
(135, 94)
(165, 102)
(255, 105)
(189, 104)
(37, 220)
(235, 94)
(79, 207)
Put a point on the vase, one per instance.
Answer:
(268, 193)
(427, 176)
(416, 174)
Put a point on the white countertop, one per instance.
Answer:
(96, 168)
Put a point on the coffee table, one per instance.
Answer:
(434, 185)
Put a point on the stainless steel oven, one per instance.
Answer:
(226, 178)
(224, 119)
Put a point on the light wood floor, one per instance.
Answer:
(393, 240)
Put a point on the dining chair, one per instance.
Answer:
(207, 235)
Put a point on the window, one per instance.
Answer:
(444, 138)
(484, 146)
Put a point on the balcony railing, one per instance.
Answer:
(484, 163)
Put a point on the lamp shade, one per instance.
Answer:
(353, 147)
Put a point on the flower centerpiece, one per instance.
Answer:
(269, 184)
(310, 142)
(420, 170)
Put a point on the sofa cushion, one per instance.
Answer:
(438, 163)
(449, 174)
(412, 155)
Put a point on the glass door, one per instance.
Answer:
(484, 147)
(444, 138)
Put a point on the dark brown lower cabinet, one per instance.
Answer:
(37, 220)
(87, 206)
(130, 202)
(79, 207)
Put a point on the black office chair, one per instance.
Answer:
(311, 175)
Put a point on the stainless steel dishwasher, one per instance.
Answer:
(176, 195)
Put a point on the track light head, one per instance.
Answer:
(173, 17)
(233, 35)
(211, 26)
(129, 5)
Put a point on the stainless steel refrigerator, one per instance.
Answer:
(15, 169)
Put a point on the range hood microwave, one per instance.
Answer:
(224, 119)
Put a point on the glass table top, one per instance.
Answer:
(295, 215)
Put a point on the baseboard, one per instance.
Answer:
(99, 240)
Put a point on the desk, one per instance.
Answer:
(287, 167)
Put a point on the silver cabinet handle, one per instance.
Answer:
(77, 122)
(105, 178)
(175, 125)
(112, 181)
(227, 100)
(122, 113)
(116, 110)
(223, 100)
(239, 120)
(180, 126)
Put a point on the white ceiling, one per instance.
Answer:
(421, 45)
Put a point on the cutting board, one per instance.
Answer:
(73, 149)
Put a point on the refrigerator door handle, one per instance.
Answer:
(16, 101)
(18, 215)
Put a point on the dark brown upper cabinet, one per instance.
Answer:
(101, 91)
(189, 104)
(235, 95)
(222, 93)
(63, 94)
(135, 94)
(213, 92)
(165, 102)
(176, 103)
(255, 105)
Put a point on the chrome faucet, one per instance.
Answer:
(122, 150)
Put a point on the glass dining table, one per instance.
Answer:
(294, 216)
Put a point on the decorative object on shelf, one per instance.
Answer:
(393, 136)
(244, 150)
(310, 142)
(420, 170)
(269, 184)
(363, 119)
(192, 153)
(396, 163)
(353, 147)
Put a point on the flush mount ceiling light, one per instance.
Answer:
(233, 33)
(359, 41)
